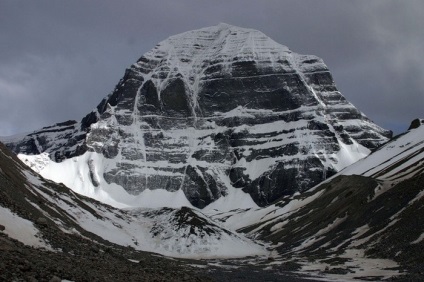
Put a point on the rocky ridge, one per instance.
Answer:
(368, 216)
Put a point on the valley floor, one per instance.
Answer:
(19, 262)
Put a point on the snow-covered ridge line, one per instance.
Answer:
(405, 151)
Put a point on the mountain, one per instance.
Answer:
(206, 115)
(366, 221)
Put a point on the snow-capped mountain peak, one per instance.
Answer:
(221, 42)
(219, 112)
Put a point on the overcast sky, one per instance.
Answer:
(58, 59)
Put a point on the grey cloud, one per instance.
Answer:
(58, 59)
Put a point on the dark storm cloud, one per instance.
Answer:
(58, 59)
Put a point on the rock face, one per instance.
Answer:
(213, 109)
(416, 123)
(62, 140)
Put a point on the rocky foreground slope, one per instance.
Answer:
(207, 113)
(42, 239)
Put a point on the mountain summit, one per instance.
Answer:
(208, 116)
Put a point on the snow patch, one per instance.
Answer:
(419, 239)
(21, 229)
